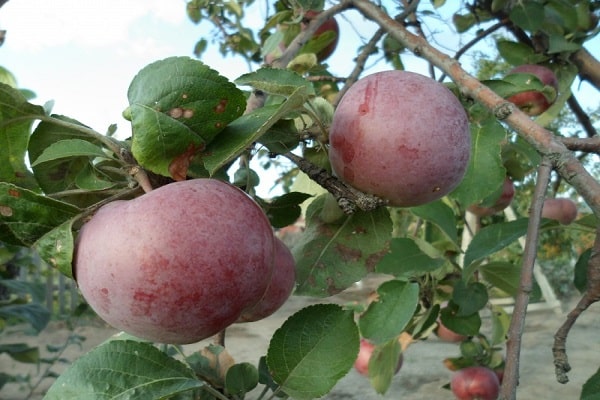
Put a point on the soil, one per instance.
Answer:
(422, 375)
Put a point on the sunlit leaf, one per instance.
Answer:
(406, 260)
(276, 81)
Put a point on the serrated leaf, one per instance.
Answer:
(591, 388)
(69, 148)
(387, 317)
(332, 256)
(56, 247)
(469, 297)
(16, 118)
(441, 215)
(123, 369)
(406, 260)
(485, 172)
(503, 275)
(177, 106)
(313, 350)
(277, 81)
(27, 216)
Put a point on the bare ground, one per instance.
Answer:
(421, 377)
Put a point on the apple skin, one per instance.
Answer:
(447, 335)
(475, 383)
(506, 197)
(329, 24)
(533, 102)
(560, 209)
(364, 356)
(401, 136)
(178, 264)
(283, 281)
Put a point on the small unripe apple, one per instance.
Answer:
(533, 102)
(560, 209)
(475, 383)
(401, 136)
(280, 288)
(178, 264)
(364, 356)
(506, 197)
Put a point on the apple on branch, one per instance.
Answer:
(534, 102)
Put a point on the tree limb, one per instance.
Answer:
(588, 66)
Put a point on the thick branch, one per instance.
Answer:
(588, 66)
(513, 343)
(544, 141)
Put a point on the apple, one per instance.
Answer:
(447, 335)
(283, 281)
(503, 201)
(177, 264)
(401, 136)
(475, 383)
(560, 209)
(534, 102)
(364, 356)
(329, 25)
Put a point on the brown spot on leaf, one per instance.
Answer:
(14, 193)
(219, 125)
(179, 166)
(220, 108)
(187, 114)
(176, 112)
(184, 96)
(6, 211)
(348, 254)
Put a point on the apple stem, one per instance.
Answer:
(348, 198)
(219, 338)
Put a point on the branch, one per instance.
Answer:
(517, 324)
(581, 116)
(588, 145)
(588, 66)
(544, 141)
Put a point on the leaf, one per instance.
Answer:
(332, 256)
(69, 148)
(26, 216)
(503, 275)
(313, 350)
(469, 297)
(16, 118)
(485, 172)
(558, 44)
(383, 365)
(387, 317)
(56, 247)
(277, 81)
(591, 388)
(528, 15)
(284, 210)
(176, 107)
(241, 378)
(406, 260)
(500, 324)
(123, 369)
(518, 53)
(244, 131)
(33, 313)
(21, 352)
(441, 215)
(467, 325)
(580, 272)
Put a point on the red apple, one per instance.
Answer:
(475, 383)
(560, 209)
(401, 136)
(534, 102)
(329, 25)
(364, 356)
(448, 335)
(280, 288)
(178, 264)
(506, 196)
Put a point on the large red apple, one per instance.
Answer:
(475, 383)
(503, 201)
(560, 209)
(178, 264)
(534, 102)
(280, 288)
(364, 356)
(401, 136)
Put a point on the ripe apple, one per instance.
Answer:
(401, 136)
(506, 196)
(475, 383)
(560, 209)
(534, 102)
(364, 356)
(447, 335)
(330, 25)
(280, 288)
(178, 264)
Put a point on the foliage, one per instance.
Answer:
(188, 121)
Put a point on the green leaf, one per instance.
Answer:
(21, 352)
(313, 350)
(16, 118)
(33, 313)
(591, 388)
(277, 81)
(387, 317)
(332, 256)
(493, 238)
(464, 22)
(467, 325)
(285, 209)
(559, 44)
(26, 216)
(581, 268)
(177, 106)
(244, 131)
(383, 365)
(469, 297)
(503, 275)
(69, 148)
(441, 215)
(123, 369)
(485, 172)
(56, 247)
(528, 15)
(518, 53)
(406, 260)
(241, 378)
(500, 324)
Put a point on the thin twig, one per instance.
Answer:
(513, 343)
